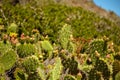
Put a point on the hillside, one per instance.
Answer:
(91, 6)
(58, 40)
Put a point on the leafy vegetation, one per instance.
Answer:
(57, 42)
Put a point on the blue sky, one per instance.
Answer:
(110, 5)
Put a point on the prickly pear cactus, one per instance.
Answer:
(20, 74)
(34, 76)
(117, 77)
(117, 56)
(100, 71)
(12, 28)
(41, 73)
(116, 68)
(69, 77)
(4, 47)
(7, 60)
(64, 35)
(46, 45)
(31, 64)
(102, 67)
(71, 47)
(97, 47)
(71, 64)
(24, 50)
(95, 75)
(1, 68)
(55, 73)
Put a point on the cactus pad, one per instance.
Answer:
(69, 77)
(25, 50)
(117, 77)
(31, 63)
(71, 64)
(8, 59)
(55, 74)
(116, 68)
(102, 67)
(64, 35)
(94, 75)
(46, 45)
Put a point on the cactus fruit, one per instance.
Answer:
(64, 36)
(69, 77)
(24, 50)
(56, 71)
(71, 64)
(31, 64)
(8, 59)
